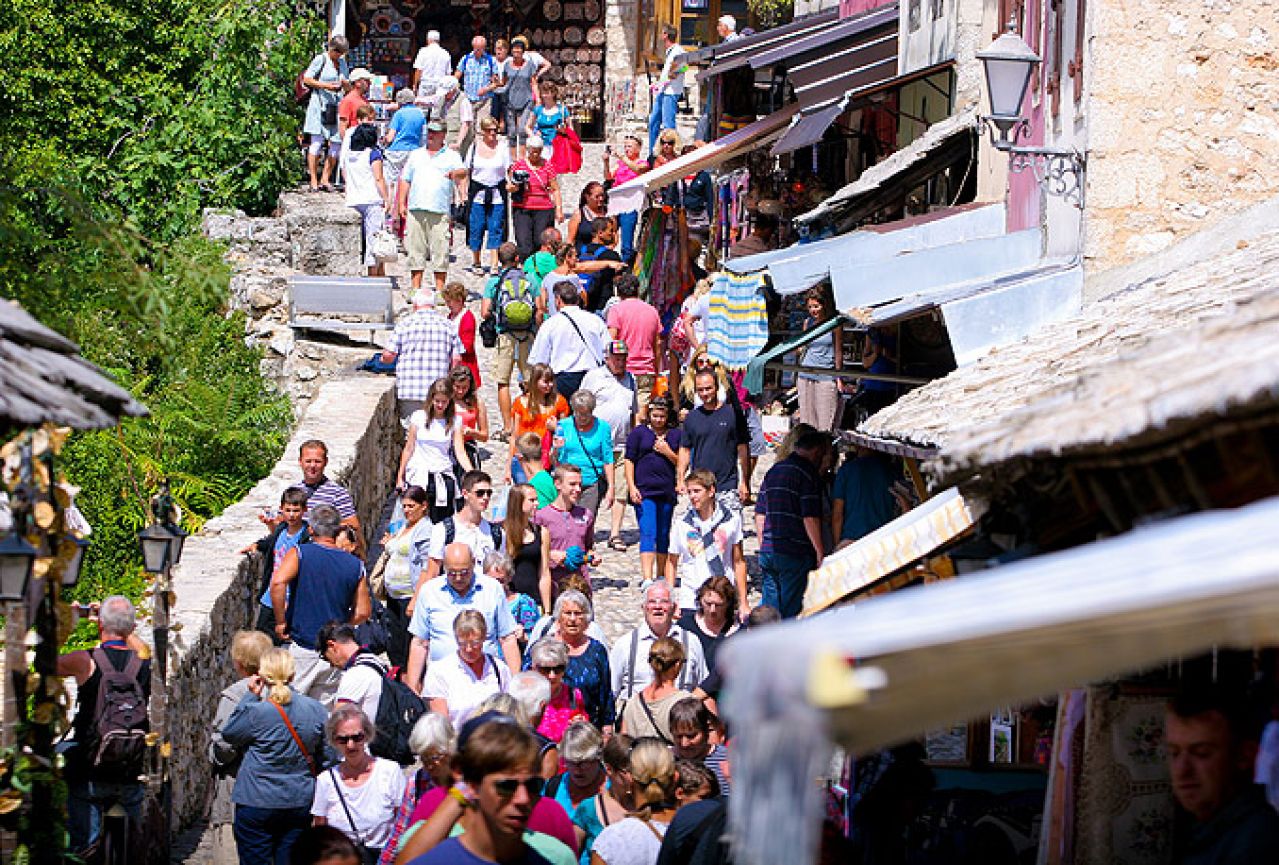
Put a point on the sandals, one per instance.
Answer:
(617, 545)
(501, 436)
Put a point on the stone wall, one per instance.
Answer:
(216, 587)
(1183, 119)
(310, 234)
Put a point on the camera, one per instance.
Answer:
(520, 178)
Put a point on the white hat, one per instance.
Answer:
(360, 74)
(422, 298)
(432, 36)
(535, 142)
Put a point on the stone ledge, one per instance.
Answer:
(216, 587)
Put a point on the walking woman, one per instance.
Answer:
(613, 803)
(549, 117)
(281, 734)
(652, 450)
(535, 196)
(326, 78)
(538, 410)
(405, 558)
(586, 442)
(433, 441)
(819, 394)
(647, 714)
(519, 75)
(470, 410)
(488, 162)
(637, 840)
(361, 793)
(464, 323)
(523, 540)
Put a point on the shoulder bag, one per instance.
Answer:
(297, 740)
(367, 856)
(649, 712)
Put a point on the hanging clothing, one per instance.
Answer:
(737, 327)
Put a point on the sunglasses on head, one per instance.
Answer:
(507, 786)
(345, 740)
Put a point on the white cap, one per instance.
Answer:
(432, 36)
(360, 74)
(535, 142)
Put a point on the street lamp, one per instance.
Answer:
(156, 542)
(1009, 63)
(71, 571)
(17, 560)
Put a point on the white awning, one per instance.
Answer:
(891, 547)
(898, 665)
(630, 195)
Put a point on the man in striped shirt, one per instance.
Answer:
(792, 544)
(313, 458)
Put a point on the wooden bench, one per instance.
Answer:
(335, 302)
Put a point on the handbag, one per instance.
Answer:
(329, 115)
(377, 577)
(297, 740)
(488, 331)
(373, 633)
(460, 212)
(385, 248)
(367, 856)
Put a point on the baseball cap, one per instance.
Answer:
(360, 74)
(618, 347)
(435, 126)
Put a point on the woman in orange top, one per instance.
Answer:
(537, 411)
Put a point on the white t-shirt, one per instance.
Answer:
(433, 61)
(451, 680)
(615, 401)
(558, 344)
(357, 168)
(478, 538)
(373, 804)
(432, 448)
(361, 684)
(686, 543)
(671, 73)
(489, 170)
(629, 842)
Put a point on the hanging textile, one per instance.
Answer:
(663, 265)
(737, 328)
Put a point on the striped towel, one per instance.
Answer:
(737, 329)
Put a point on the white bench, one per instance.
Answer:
(342, 303)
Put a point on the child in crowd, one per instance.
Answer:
(523, 608)
(287, 534)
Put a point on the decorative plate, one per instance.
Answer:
(553, 38)
(537, 36)
(382, 23)
(573, 11)
(582, 55)
(573, 36)
(597, 54)
(591, 10)
(593, 74)
(407, 26)
(596, 36)
(570, 74)
(551, 9)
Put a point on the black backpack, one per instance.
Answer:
(397, 711)
(450, 532)
(119, 732)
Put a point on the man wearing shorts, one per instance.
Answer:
(427, 189)
(512, 347)
(639, 327)
(616, 404)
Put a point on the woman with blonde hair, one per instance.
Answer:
(433, 442)
(281, 735)
(648, 714)
(637, 840)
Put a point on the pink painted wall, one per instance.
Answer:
(1024, 199)
(849, 8)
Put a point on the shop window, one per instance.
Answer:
(653, 16)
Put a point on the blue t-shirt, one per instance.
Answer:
(451, 852)
(324, 591)
(591, 451)
(549, 121)
(283, 544)
(407, 123)
(863, 483)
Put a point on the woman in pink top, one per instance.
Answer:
(535, 197)
(628, 167)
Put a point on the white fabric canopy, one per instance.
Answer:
(929, 656)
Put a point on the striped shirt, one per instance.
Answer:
(791, 491)
(326, 492)
(715, 761)
(477, 72)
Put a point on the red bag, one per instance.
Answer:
(566, 152)
(301, 93)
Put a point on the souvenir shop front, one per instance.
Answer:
(385, 37)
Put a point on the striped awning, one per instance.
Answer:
(897, 545)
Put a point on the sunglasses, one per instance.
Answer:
(459, 572)
(485, 493)
(507, 786)
(546, 671)
(346, 740)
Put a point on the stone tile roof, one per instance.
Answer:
(43, 378)
(1140, 365)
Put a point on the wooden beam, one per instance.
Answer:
(917, 479)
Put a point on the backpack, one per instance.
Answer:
(515, 303)
(397, 711)
(119, 721)
(450, 532)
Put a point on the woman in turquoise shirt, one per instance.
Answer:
(586, 442)
(550, 115)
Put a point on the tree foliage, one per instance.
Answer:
(119, 122)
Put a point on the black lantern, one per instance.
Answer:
(71, 573)
(17, 560)
(156, 542)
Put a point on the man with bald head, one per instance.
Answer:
(440, 600)
(477, 72)
(628, 658)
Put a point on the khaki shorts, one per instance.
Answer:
(621, 492)
(644, 390)
(427, 240)
(505, 355)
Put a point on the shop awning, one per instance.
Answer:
(867, 63)
(844, 36)
(754, 378)
(738, 53)
(941, 145)
(630, 195)
(808, 128)
(762, 39)
(901, 543)
(896, 666)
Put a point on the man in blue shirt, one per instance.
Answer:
(792, 545)
(426, 192)
(478, 73)
(440, 600)
(403, 136)
(862, 499)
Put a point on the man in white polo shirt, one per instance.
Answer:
(570, 342)
(428, 186)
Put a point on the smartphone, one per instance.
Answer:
(608, 150)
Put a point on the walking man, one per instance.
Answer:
(791, 544)
(571, 342)
(423, 348)
(668, 89)
(628, 659)
(639, 327)
(479, 76)
(616, 404)
(713, 440)
(512, 298)
(428, 185)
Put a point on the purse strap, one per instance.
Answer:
(653, 721)
(296, 738)
(337, 786)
